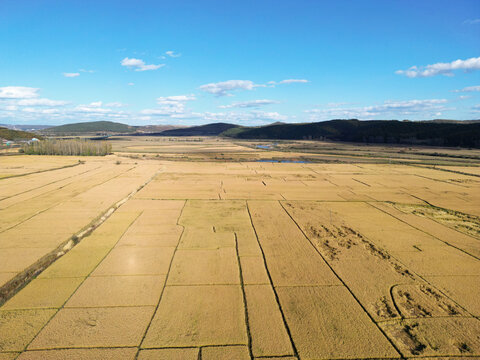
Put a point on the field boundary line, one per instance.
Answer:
(244, 295)
(60, 202)
(277, 299)
(448, 170)
(9, 289)
(50, 183)
(440, 180)
(41, 171)
(425, 232)
(343, 282)
(139, 347)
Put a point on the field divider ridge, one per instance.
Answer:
(277, 299)
(242, 285)
(41, 171)
(165, 282)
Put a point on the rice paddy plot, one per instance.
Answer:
(169, 258)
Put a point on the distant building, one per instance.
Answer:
(32, 140)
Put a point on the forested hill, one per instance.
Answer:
(9, 134)
(202, 130)
(91, 127)
(436, 133)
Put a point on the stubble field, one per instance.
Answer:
(175, 249)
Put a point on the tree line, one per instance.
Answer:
(67, 147)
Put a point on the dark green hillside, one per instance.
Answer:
(9, 134)
(91, 127)
(374, 131)
(202, 130)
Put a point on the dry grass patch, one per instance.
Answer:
(468, 224)
(435, 337)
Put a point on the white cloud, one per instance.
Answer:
(130, 84)
(172, 54)
(390, 109)
(40, 111)
(225, 87)
(273, 116)
(87, 71)
(468, 89)
(292, 81)
(91, 109)
(249, 104)
(18, 92)
(287, 81)
(139, 65)
(41, 102)
(446, 69)
(472, 21)
(168, 100)
(71, 75)
(171, 106)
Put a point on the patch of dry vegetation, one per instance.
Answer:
(466, 223)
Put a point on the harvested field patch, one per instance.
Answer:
(269, 336)
(19, 327)
(169, 354)
(209, 315)
(326, 322)
(81, 354)
(94, 327)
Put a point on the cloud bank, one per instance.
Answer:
(139, 64)
(446, 69)
(249, 104)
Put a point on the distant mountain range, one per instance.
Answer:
(110, 127)
(437, 132)
(202, 130)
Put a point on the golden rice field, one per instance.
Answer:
(175, 249)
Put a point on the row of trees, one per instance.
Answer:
(67, 147)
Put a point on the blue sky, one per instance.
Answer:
(246, 62)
